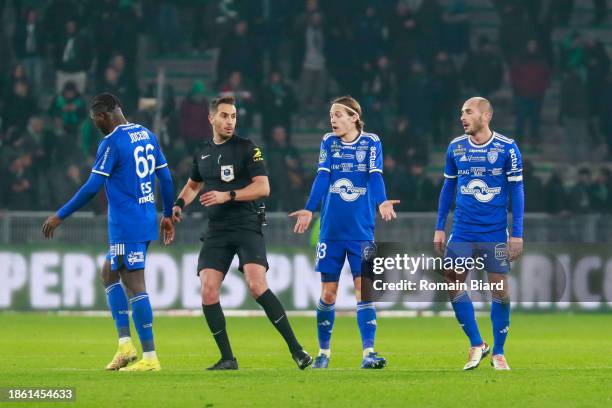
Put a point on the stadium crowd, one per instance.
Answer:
(409, 63)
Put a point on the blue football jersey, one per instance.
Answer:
(483, 173)
(348, 210)
(128, 157)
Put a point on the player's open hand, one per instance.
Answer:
(304, 217)
(166, 230)
(386, 209)
(177, 214)
(439, 241)
(50, 225)
(515, 248)
(214, 198)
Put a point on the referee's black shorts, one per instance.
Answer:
(220, 246)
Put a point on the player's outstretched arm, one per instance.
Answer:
(380, 196)
(82, 197)
(319, 187)
(187, 195)
(444, 205)
(166, 226)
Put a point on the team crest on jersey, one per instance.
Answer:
(227, 173)
(492, 156)
(322, 156)
(361, 155)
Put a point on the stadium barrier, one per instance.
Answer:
(62, 274)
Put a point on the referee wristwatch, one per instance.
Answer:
(232, 195)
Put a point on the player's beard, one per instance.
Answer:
(475, 128)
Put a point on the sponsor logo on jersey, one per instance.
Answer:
(348, 156)
(463, 172)
(257, 156)
(480, 190)
(346, 167)
(106, 152)
(337, 155)
(149, 198)
(476, 159)
(138, 136)
(372, 157)
(135, 256)
(513, 160)
(360, 154)
(463, 158)
(496, 171)
(492, 156)
(227, 173)
(362, 167)
(322, 156)
(478, 171)
(347, 191)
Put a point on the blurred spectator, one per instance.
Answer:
(18, 183)
(416, 99)
(395, 179)
(126, 81)
(403, 37)
(278, 102)
(168, 27)
(602, 195)
(312, 82)
(514, 29)
(429, 21)
(533, 189)
(600, 12)
(284, 158)
(573, 115)
(29, 46)
(104, 26)
(239, 52)
(530, 76)
(245, 101)
(556, 197)
(370, 35)
(582, 194)
(195, 128)
(597, 67)
(484, 69)
(422, 191)
(380, 82)
(19, 106)
(456, 28)
(128, 26)
(445, 95)
(70, 107)
(605, 112)
(571, 55)
(72, 59)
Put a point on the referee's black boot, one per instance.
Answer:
(302, 359)
(225, 365)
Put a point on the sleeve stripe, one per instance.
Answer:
(514, 171)
(161, 166)
(449, 176)
(515, 178)
(101, 172)
(374, 170)
(324, 169)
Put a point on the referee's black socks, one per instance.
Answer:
(216, 323)
(276, 313)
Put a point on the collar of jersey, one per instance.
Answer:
(212, 143)
(353, 142)
(117, 127)
(481, 145)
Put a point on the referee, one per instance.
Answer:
(233, 173)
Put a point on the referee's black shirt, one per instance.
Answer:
(229, 166)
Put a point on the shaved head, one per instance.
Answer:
(481, 103)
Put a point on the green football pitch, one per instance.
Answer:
(556, 360)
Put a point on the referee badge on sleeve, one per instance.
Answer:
(227, 173)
